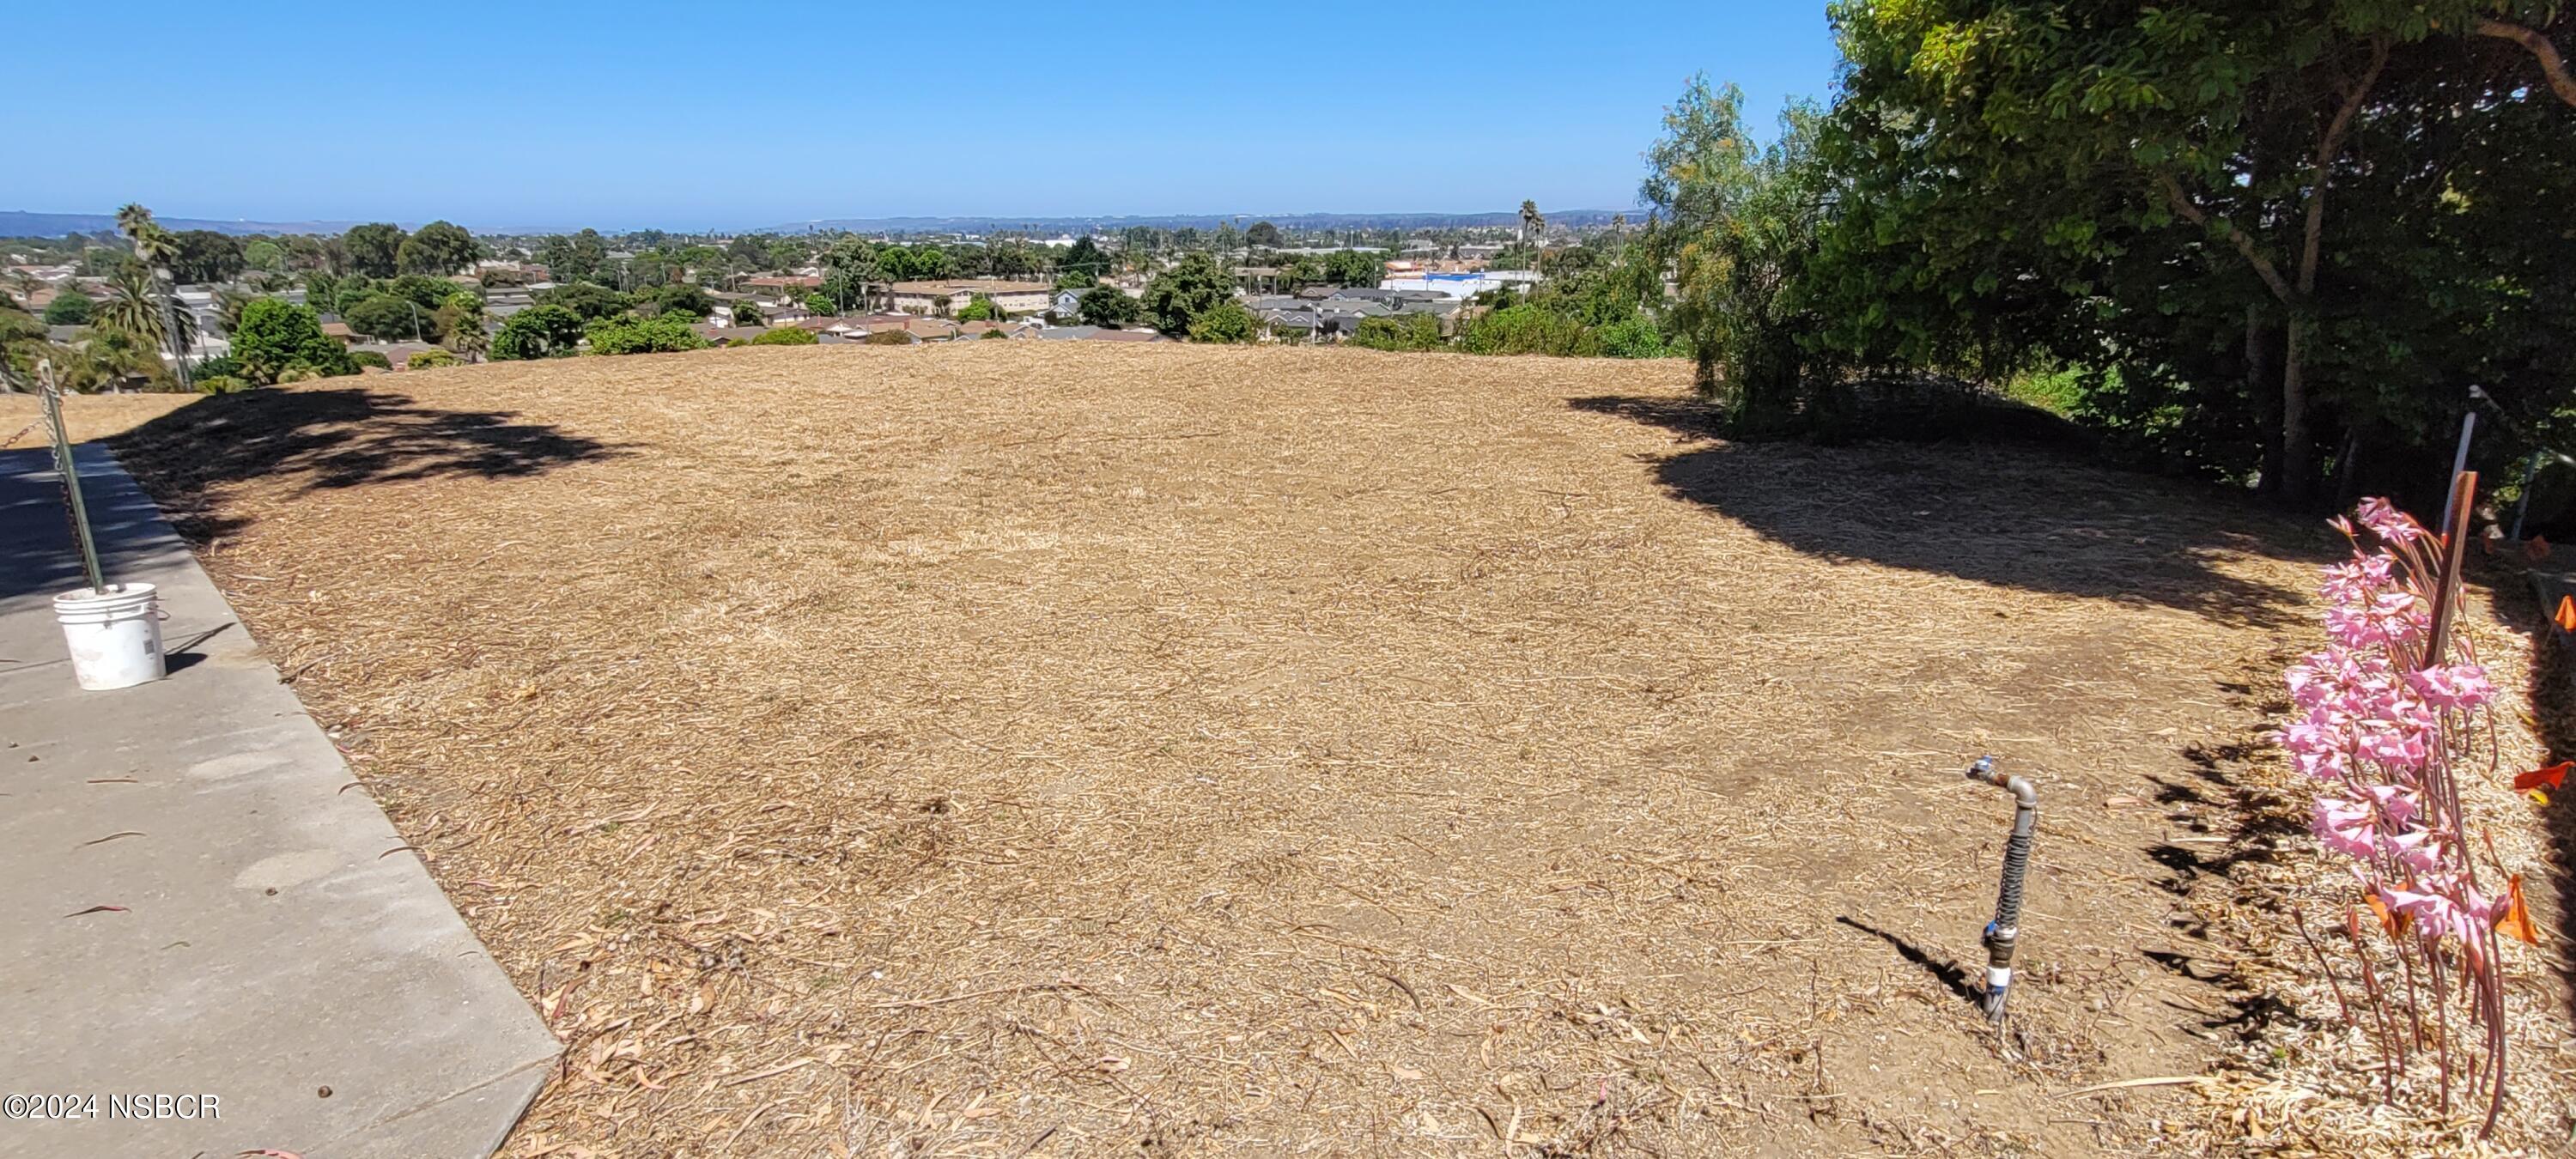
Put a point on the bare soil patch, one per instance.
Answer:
(1013, 748)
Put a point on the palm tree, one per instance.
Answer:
(1531, 222)
(156, 247)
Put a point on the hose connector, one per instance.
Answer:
(2004, 932)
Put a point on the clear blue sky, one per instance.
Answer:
(699, 115)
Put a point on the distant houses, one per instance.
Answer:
(949, 295)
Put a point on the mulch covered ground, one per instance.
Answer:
(1052, 749)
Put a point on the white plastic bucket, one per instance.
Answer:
(115, 636)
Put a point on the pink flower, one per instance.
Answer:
(2396, 802)
(2414, 849)
(2356, 582)
(2452, 686)
(2344, 826)
(2330, 765)
(2393, 525)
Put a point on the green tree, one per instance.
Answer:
(785, 336)
(1354, 268)
(1109, 306)
(1736, 225)
(1264, 234)
(821, 303)
(2274, 232)
(1177, 296)
(374, 249)
(658, 334)
(980, 308)
(136, 305)
(589, 300)
(545, 331)
(388, 317)
(157, 249)
(440, 248)
(746, 312)
(202, 255)
(1227, 321)
(265, 255)
(574, 257)
(1084, 262)
(682, 299)
(69, 308)
(275, 334)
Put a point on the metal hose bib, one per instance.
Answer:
(2006, 928)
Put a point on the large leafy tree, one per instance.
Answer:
(1354, 267)
(2285, 224)
(1736, 223)
(538, 332)
(275, 335)
(1084, 262)
(574, 257)
(374, 249)
(1177, 296)
(202, 255)
(440, 248)
(1109, 306)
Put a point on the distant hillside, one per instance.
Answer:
(21, 223)
(1292, 221)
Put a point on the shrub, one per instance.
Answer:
(655, 335)
(431, 359)
(590, 300)
(1401, 332)
(1527, 329)
(786, 336)
(219, 366)
(1224, 322)
(69, 308)
(888, 338)
(297, 372)
(1634, 338)
(371, 358)
(276, 336)
(222, 384)
(548, 331)
(993, 334)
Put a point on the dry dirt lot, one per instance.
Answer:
(1053, 749)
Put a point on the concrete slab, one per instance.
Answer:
(272, 938)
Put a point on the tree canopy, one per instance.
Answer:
(1191, 287)
(439, 248)
(374, 249)
(276, 336)
(545, 331)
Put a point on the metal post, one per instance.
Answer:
(69, 473)
(2530, 472)
(2460, 461)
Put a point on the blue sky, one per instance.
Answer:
(729, 115)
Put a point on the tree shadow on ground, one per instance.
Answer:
(2552, 680)
(2016, 514)
(329, 438)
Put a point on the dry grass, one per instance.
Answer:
(1035, 749)
(90, 416)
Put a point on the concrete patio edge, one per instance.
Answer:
(201, 900)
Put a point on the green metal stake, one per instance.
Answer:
(70, 476)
